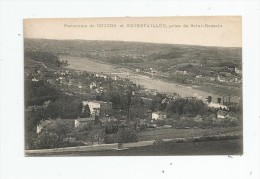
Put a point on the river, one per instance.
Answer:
(85, 64)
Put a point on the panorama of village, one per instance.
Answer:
(105, 98)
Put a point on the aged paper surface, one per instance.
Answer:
(205, 30)
(133, 86)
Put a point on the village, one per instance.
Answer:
(96, 108)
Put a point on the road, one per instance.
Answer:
(221, 147)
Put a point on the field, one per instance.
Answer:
(170, 133)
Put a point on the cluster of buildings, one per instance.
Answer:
(103, 112)
(97, 83)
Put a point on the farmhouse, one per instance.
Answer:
(159, 115)
(84, 122)
(98, 108)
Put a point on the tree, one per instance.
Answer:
(61, 130)
(47, 140)
(96, 134)
(186, 107)
(156, 103)
(204, 62)
(127, 135)
(85, 110)
(115, 99)
(65, 107)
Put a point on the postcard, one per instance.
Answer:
(133, 86)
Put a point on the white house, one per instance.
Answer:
(159, 115)
(217, 106)
(42, 125)
(116, 78)
(237, 70)
(226, 115)
(98, 108)
(34, 79)
(92, 85)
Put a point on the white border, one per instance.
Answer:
(13, 164)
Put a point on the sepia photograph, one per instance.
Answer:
(133, 86)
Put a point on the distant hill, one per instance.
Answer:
(162, 57)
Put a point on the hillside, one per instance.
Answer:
(137, 52)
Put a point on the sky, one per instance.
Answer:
(224, 31)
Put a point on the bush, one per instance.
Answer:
(158, 142)
(160, 122)
(110, 138)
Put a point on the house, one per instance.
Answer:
(237, 70)
(34, 80)
(98, 108)
(84, 122)
(212, 79)
(185, 72)
(116, 78)
(198, 118)
(217, 106)
(92, 85)
(159, 115)
(222, 114)
(42, 125)
(226, 115)
(103, 76)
